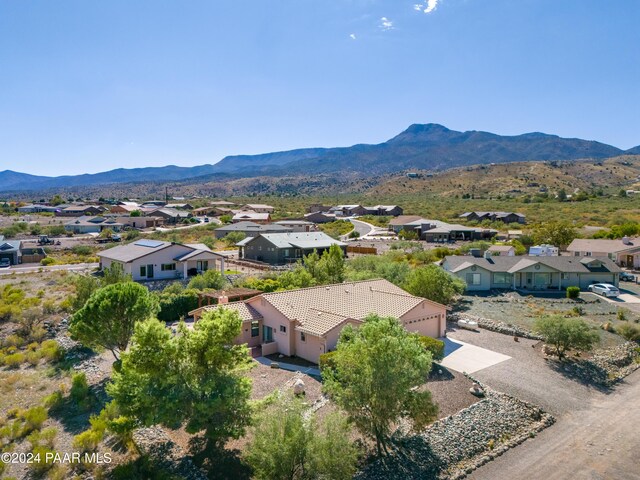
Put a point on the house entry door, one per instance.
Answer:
(150, 271)
(267, 334)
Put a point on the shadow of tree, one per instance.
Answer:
(74, 416)
(583, 372)
(219, 463)
(440, 374)
(409, 457)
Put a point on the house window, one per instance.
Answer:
(283, 329)
(565, 276)
(587, 254)
(502, 278)
(303, 337)
(167, 267)
(255, 329)
(473, 279)
(143, 271)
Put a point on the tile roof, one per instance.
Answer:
(319, 323)
(246, 311)
(344, 300)
(251, 215)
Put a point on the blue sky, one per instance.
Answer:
(88, 85)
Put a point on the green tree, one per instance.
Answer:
(560, 234)
(285, 446)
(232, 238)
(312, 263)
(332, 264)
(562, 195)
(226, 218)
(565, 333)
(86, 285)
(377, 369)
(108, 318)
(434, 283)
(209, 279)
(56, 200)
(194, 379)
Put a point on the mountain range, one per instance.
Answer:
(421, 147)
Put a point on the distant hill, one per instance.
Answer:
(633, 151)
(421, 147)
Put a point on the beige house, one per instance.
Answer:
(307, 322)
(502, 250)
(625, 251)
(156, 260)
(258, 208)
(251, 216)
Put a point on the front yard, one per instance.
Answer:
(522, 310)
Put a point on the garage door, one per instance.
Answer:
(428, 327)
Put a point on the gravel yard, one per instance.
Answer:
(514, 308)
(455, 445)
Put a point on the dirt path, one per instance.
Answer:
(600, 442)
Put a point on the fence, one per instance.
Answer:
(363, 250)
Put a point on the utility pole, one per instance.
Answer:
(166, 194)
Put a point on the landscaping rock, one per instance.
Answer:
(496, 326)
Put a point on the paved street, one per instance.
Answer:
(363, 228)
(600, 442)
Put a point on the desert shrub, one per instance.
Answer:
(573, 292)
(13, 341)
(82, 250)
(434, 346)
(79, 387)
(54, 401)
(44, 463)
(33, 357)
(629, 331)
(34, 418)
(88, 440)
(621, 314)
(47, 261)
(14, 360)
(51, 351)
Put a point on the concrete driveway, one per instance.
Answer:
(464, 357)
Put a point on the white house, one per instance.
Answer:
(157, 260)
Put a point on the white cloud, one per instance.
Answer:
(431, 6)
(418, 7)
(386, 24)
(352, 36)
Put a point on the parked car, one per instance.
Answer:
(604, 289)
(5, 263)
(627, 277)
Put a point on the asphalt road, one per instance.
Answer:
(600, 442)
(363, 228)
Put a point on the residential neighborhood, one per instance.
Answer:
(351, 240)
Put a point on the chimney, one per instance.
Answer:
(223, 299)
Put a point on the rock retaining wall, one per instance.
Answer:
(455, 446)
(496, 326)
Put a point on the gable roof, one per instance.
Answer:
(457, 263)
(253, 227)
(602, 245)
(405, 219)
(251, 215)
(247, 312)
(500, 248)
(132, 251)
(303, 240)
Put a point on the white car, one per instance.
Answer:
(604, 289)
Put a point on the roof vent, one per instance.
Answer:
(327, 288)
(626, 240)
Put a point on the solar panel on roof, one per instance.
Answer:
(149, 243)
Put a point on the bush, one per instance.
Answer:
(209, 279)
(327, 360)
(51, 351)
(33, 357)
(88, 440)
(54, 401)
(47, 261)
(79, 387)
(40, 452)
(82, 250)
(175, 306)
(14, 360)
(629, 331)
(34, 418)
(434, 346)
(573, 292)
